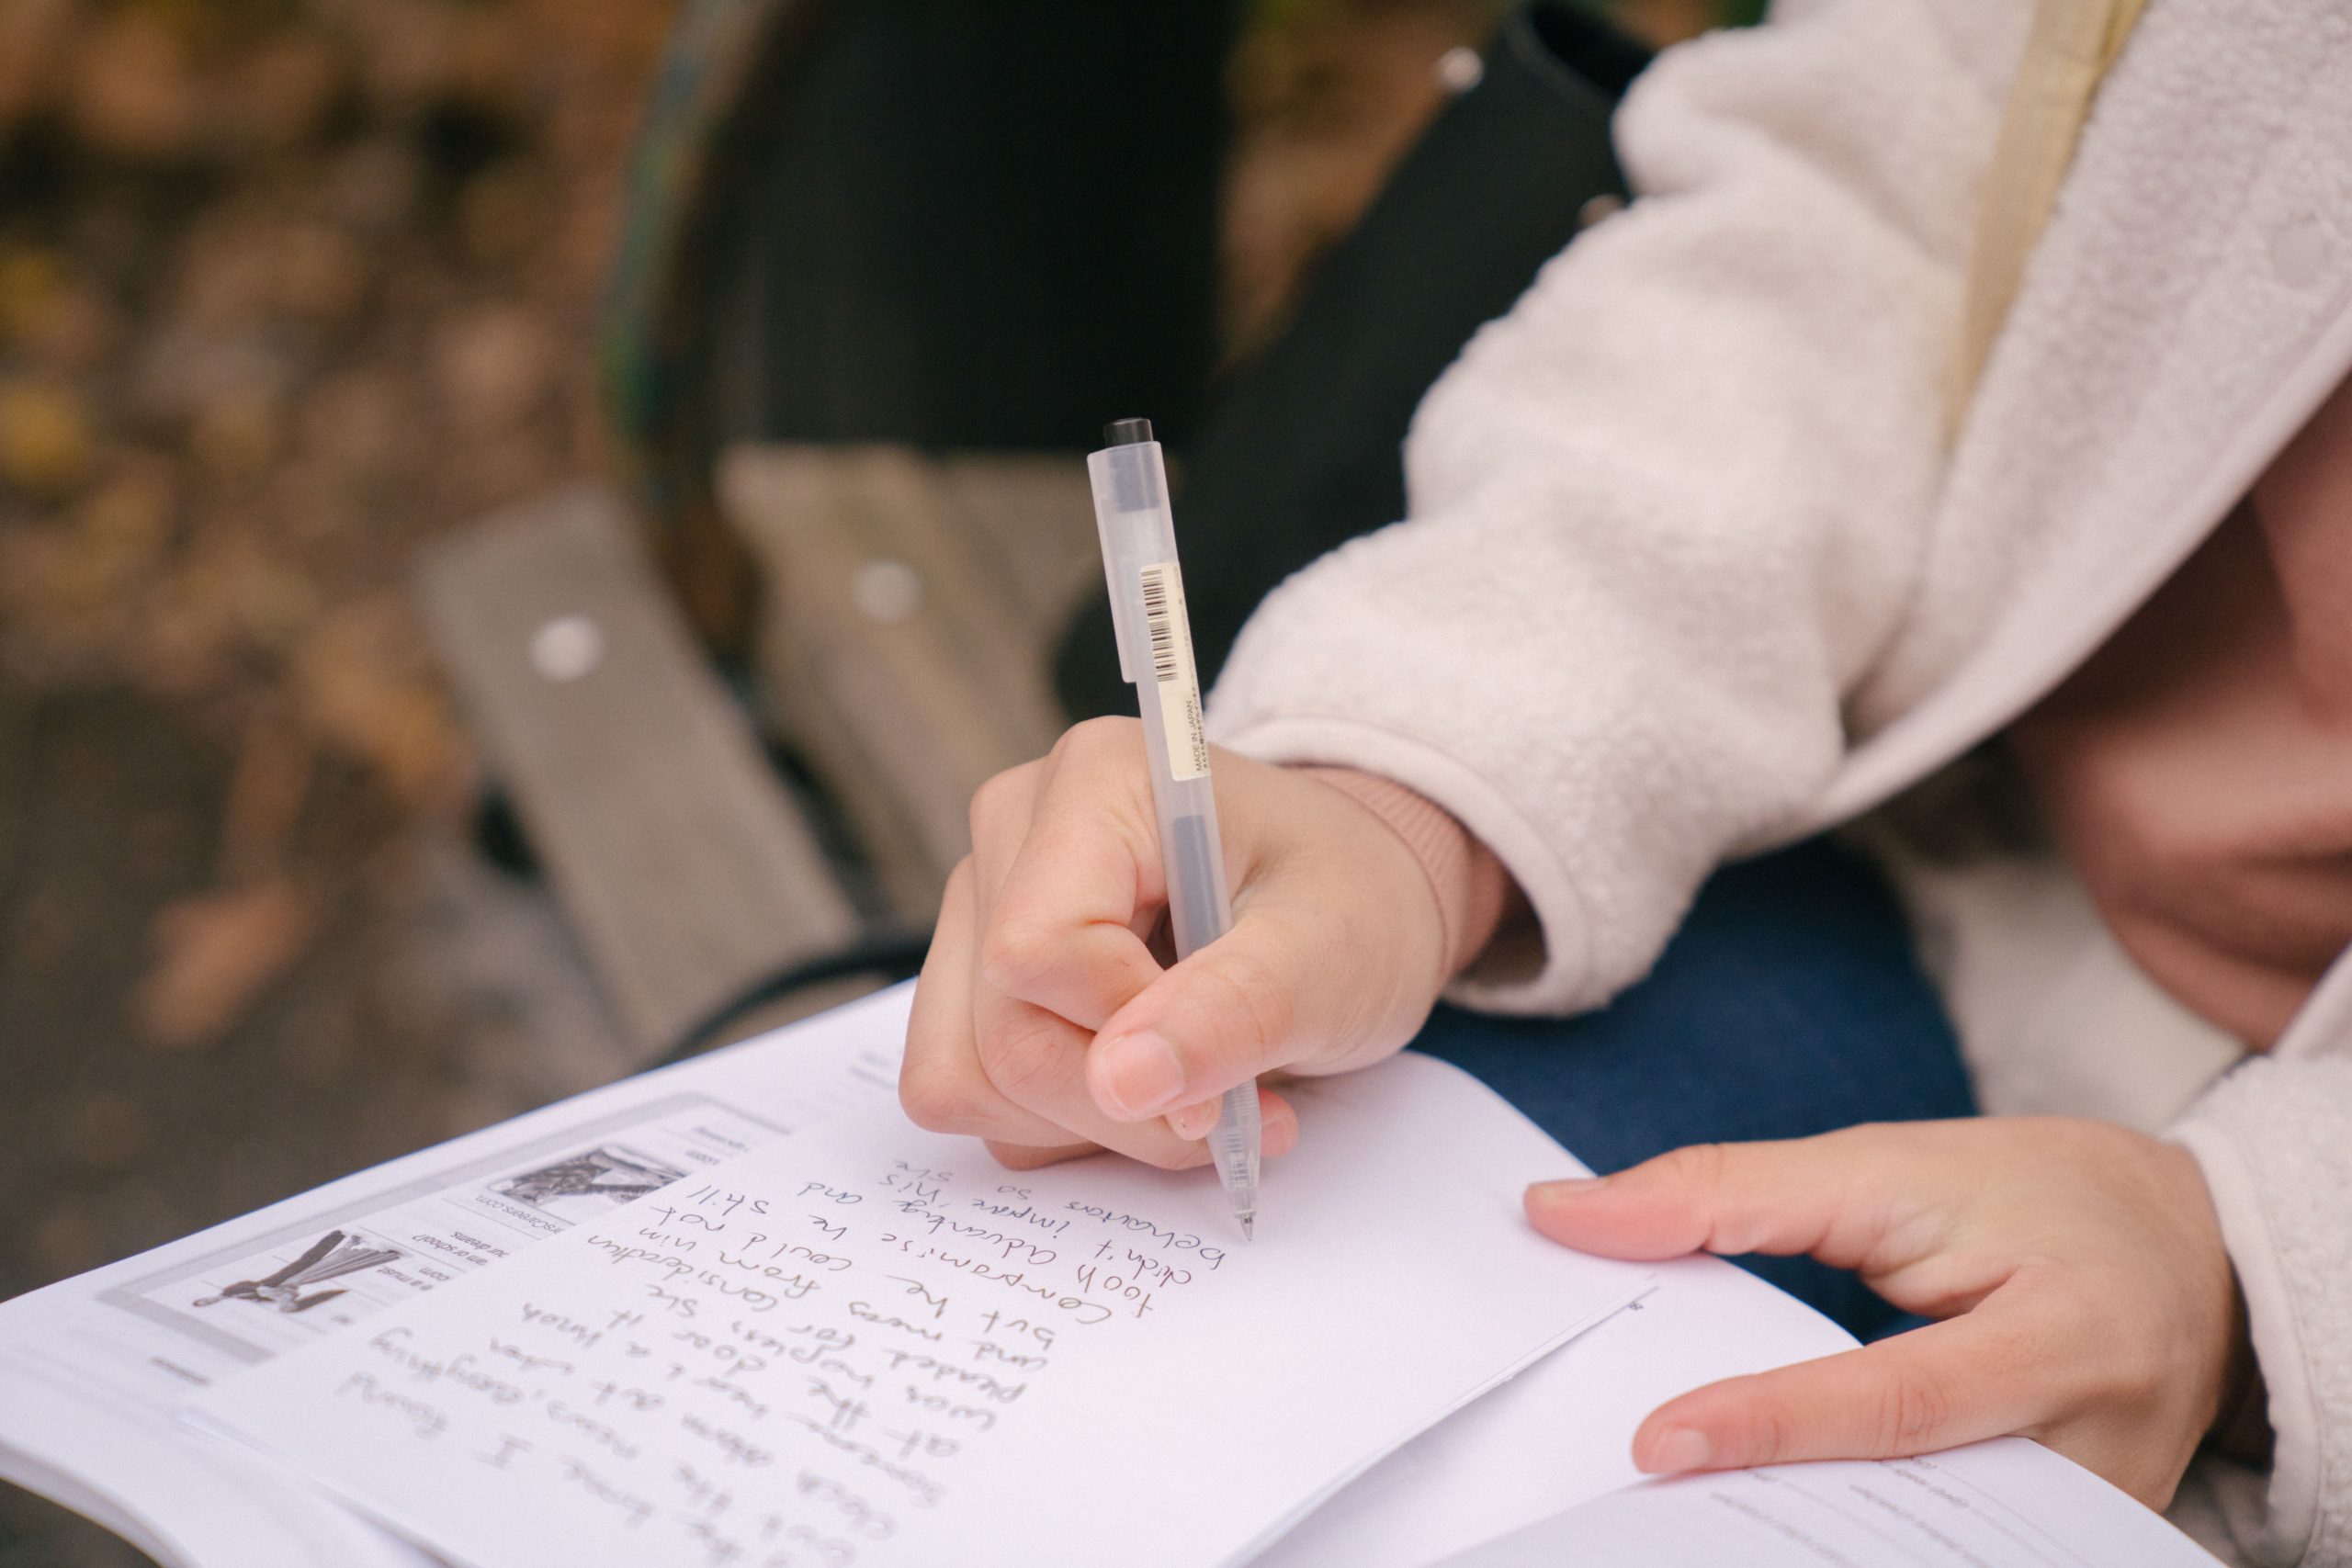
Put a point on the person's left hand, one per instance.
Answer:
(2091, 1303)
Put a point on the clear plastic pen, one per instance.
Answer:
(1156, 652)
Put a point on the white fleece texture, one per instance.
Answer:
(2183, 315)
(1672, 508)
(2274, 1141)
(1691, 566)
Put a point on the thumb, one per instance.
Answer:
(1935, 1387)
(1241, 1006)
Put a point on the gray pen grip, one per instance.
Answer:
(1197, 912)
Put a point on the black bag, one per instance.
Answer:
(951, 224)
(1301, 451)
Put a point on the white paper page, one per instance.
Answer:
(220, 1506)
(867, 1345)
(1562, 1433)
(94, 1369)
(2006, 1504)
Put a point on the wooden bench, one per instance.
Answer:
(687, 868)
(908, 605)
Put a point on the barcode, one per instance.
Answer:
(1177, 689)
(1160, 624)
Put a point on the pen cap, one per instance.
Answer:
(1131, 514)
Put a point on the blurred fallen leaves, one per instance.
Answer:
(214, 954)
(106, 1132)
(80, 573)
(47, 447)
(284, 91)
(55, 320)
(364, 685)
(131, 91)
(235, 437)
(30, 34)
(217, 952)
(241, 270)
(494, 368)
(286, 288)
(267, 793)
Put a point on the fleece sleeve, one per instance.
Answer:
(1664, 515)
(2275, 1142)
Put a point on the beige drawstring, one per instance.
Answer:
(2066, 55)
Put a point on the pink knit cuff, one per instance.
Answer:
(1473, 889)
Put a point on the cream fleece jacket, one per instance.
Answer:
(1694, 566)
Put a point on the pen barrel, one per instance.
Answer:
(1147, 586)
(1155, 653)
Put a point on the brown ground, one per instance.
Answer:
(288, 287)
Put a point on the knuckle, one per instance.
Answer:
(2132, 1369)
(1016, 953)
(955, 899)
(1249, 996)
(940, 1098)
(1773, 1434)
(1691, 1182)
(1699, 1168)
(1001, 804)
(1094, 739)
(2126, 1357)
(1024, 1062)
(1912, 1413)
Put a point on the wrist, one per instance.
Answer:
(2242, 1431)
(1472, 892)
(2236, 1420)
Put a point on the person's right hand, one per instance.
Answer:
(1045, 1025)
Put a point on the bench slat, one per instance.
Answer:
(908, 604)
(680, 860)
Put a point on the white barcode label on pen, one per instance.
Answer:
(1172, 670)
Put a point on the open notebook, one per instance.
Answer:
(739, 1311)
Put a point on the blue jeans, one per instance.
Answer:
(1790, 1003)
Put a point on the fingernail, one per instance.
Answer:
(1193, 1121)
(1139, 1076)
(1565, 1189)
(1677, 1448)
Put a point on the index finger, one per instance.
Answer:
(1853, 1199)
(1036, 1060)
(1067, 927)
